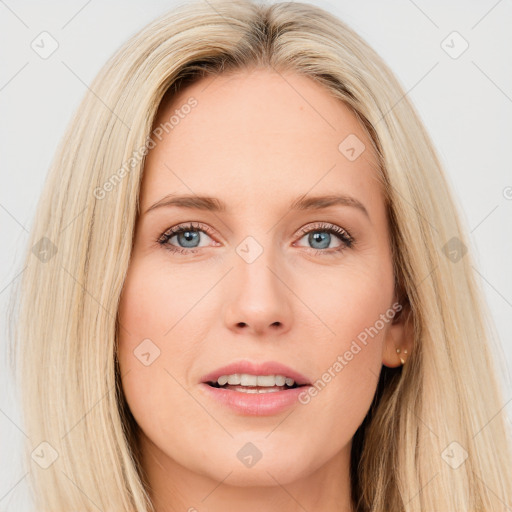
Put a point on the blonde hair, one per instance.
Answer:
(445, 401)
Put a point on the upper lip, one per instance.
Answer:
(255, 368)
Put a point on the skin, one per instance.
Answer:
(256, 140)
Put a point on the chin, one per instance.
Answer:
(269, 466)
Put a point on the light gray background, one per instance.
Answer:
(465, 103)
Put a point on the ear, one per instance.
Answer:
(399, 335)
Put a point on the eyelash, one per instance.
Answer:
(343, 235)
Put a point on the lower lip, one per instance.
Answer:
(255, 404)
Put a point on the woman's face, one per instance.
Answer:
(257, 281)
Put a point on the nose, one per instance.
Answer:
(258, 300)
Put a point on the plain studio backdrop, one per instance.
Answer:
(453, 60)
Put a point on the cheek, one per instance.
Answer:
(343, 305)
(354, 309)
(159, 340)
(148, 310)
(152, 305)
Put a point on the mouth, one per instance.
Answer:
(249, 388)
(250, 377)
(247, 383)
(253, 400)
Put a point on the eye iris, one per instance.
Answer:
(189, 237)
(323, 236)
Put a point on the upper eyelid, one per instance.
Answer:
(186, 225)
(322, 225)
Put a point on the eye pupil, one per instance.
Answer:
(320, 236)
(188, 236)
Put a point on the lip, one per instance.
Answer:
(253, 368)
(253, 404)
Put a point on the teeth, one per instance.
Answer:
(248, 380)
(234, 379)
(222, 380)
(244, 379)
(280, 380)
(256, 390)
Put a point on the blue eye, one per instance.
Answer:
(319, 235)
(188, 234)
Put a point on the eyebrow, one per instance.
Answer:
(302, 203)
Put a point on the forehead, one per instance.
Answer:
(258, 136)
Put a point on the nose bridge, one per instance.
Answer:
(259, 299)
(254, 263)
(256, 269)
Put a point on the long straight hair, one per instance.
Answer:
(435, 437)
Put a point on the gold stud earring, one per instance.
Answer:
(401, 359)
